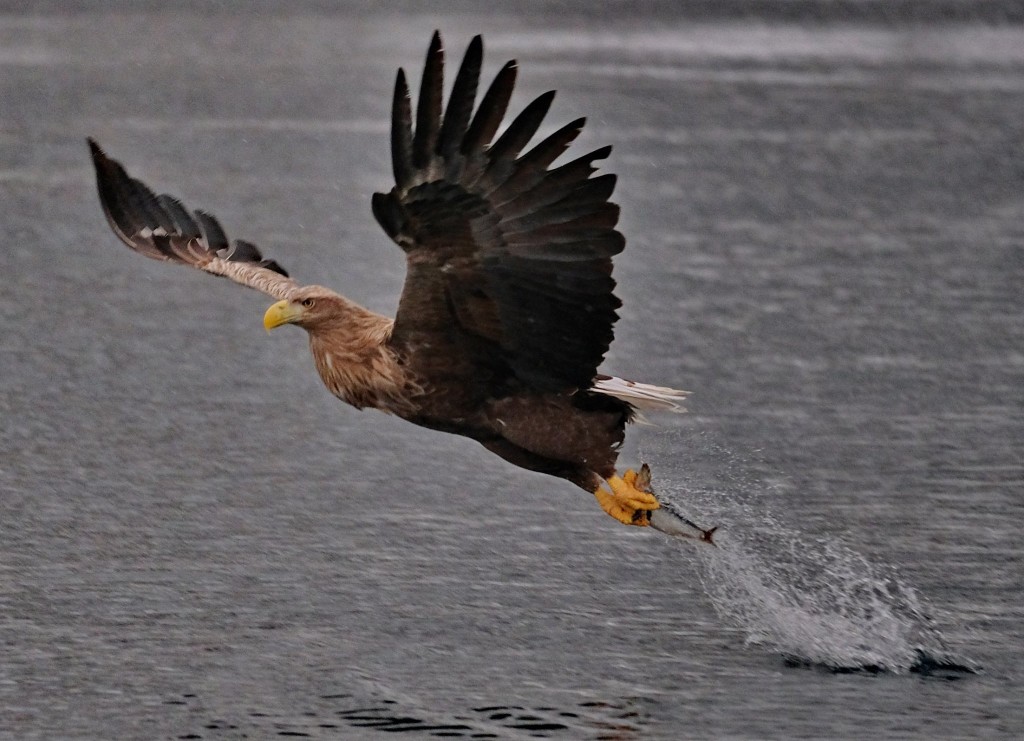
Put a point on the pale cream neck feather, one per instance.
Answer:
(357, 366)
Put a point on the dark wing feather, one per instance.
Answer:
(428, 109)
(460, 107)
(509, 262)
(401, 133)
(502, 154)
(161, 227)
(492, 109)
(184, 224)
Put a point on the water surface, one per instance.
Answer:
(826, 244)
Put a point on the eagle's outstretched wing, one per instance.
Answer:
(511, 256)
(159, 226)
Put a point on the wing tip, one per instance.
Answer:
(436, 44)
(148, 223)
(95, 149)
(105, 165)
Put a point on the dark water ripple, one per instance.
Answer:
(589, 719)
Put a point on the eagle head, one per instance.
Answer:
(311, 307)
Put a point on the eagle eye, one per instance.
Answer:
(308, 302)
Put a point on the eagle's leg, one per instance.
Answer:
(630, 500)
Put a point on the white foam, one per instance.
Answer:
(815, 601)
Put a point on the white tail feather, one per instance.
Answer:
(643, 396)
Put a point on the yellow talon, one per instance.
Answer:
(630, 500)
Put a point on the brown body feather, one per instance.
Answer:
(508, 304)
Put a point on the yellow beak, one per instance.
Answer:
(283, 312)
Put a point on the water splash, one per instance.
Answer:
(815, 601)
(820, 603)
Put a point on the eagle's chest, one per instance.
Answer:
(368, 379)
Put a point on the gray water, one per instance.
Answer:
(825, 219)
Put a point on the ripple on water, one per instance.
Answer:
(337, 714)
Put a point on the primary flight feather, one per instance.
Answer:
(508, 305)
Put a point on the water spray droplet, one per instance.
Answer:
(815, 601)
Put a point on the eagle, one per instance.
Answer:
(508, 304)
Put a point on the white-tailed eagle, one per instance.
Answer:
(508, 304)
